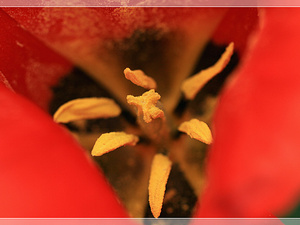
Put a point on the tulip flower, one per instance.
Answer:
(252, 158)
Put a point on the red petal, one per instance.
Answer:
(43, 171)
(254, 161)
(29, 66)
(237, 27)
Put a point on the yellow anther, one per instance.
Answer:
(198, 130)
(146, 105)
(139, 78)
(86, 108)
(110, 141)
(160, 170)
(191, 86)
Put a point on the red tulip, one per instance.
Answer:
(252, 164)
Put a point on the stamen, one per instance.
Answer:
(198, 130)
(110, 141)
(160, 170)
(139, 78)
(86, 108)
(146, 105)
(191, 86)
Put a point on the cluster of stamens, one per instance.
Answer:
(151, 119)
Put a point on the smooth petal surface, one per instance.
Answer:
(237, 26)
(43, 171)
(253, 166)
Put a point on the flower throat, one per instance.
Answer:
(153, 123)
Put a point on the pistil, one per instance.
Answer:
(151, 117)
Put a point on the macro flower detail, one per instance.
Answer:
(51, 56)
(152, 121)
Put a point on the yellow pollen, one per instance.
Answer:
(191, 86)
(110, 141)
(86, 108)
(160, 170)
(139, 78)
(146, 105)
(198, 130)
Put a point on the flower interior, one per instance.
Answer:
(137, 94)
(150, 140)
